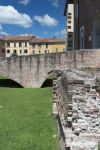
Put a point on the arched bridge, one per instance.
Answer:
(32, 71)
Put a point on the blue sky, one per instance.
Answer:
(43, 18)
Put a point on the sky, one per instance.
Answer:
(43, 18)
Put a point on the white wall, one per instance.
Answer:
(70, 10)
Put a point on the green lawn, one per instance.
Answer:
(3, 77)
(26, 122)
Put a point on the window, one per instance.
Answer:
(69, 17)
(70, 43)
(69, 35)
(33, 45)
(8, 51)
(8, 44)
(20, 44)
(25, 44)
(46, 45)
(14, 51)
(39, 51)
(14, 44)
(20, 51)
(48, 51)
(69, 27)
(69, 21)
(45, 51)
(33, 51)
(25, 51)
(39, 45)
(69, 14)
(56, 50)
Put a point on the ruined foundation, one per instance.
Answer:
(76, 106)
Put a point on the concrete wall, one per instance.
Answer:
(32, 71)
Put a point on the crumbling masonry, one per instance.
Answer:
(76, 106)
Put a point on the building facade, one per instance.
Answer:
(30, 45)
(86, 23)
(2, 48)
(17, 45)
(48, 45)
(69, 13)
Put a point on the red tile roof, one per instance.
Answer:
(18, 38)
(47, 40)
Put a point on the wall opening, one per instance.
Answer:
(5, 83)
(49, 81)
(96, 33)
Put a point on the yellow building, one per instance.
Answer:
(48, 45)
(17, 45)
(30, 45)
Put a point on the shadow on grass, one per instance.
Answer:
(9, 83)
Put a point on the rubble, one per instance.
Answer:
(80, 117)
(78, 144)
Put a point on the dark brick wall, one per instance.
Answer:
(88, 11)
(86, 19)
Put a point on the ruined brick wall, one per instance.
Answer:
(76, 92)
(32, 71)
(60, 105)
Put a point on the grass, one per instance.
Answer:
(3, 77)
(26, 122)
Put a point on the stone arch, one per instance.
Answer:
(46, 76)
(11, 78)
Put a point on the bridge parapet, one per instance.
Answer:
(32, 71)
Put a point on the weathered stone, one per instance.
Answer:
(81, 113)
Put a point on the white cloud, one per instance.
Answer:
(9, 15)
(61, 33)
(24, 2)
(55, 3)
(46, 20)
(3, 33)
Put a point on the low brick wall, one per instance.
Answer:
(73, 89)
